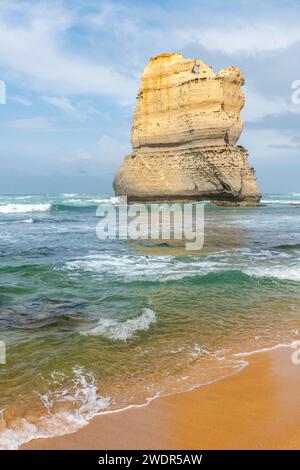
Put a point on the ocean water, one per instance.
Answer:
(95, 326)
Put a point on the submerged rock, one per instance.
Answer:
(186, 124)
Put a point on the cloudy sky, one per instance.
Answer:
(72, 69)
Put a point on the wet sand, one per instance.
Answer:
(258, 408)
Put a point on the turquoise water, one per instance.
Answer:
(92, 326)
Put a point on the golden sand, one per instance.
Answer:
(258, 408)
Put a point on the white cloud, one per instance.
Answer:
(62, 103)
(79, 112)
(214, 30)
(81, 155)
(32, 51)
(102, 157)
(240, 37)
(270, 143)
(66, 106)
(258, 106)
(111, 148)
(21, 100)
(36, 50)
(117, 17)
(31, 123)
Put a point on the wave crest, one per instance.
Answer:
(288, 273)
(122, 331)
(23, 208)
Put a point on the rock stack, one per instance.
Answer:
(186, 125)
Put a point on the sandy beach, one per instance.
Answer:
(258, 408)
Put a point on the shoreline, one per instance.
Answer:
(256, 408)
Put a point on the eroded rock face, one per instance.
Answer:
(186, 124)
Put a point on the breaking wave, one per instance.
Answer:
(82, 394)
(289, 273)
(154, 268)
(130, 268)
(25, 221)
(122, 331)
(280, 201)
(23, 208)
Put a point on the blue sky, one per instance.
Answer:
(72, 72)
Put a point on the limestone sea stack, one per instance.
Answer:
(186, 125)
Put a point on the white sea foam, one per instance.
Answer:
(199, 351)
(23, 208)
(82, 393)
(265, 263)
(130, 267)
(123, 330)
(261, 350)
(289, 273)
(111, 200)
(91, 201)
(73, 201)
(280, 201)
(25, 221)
